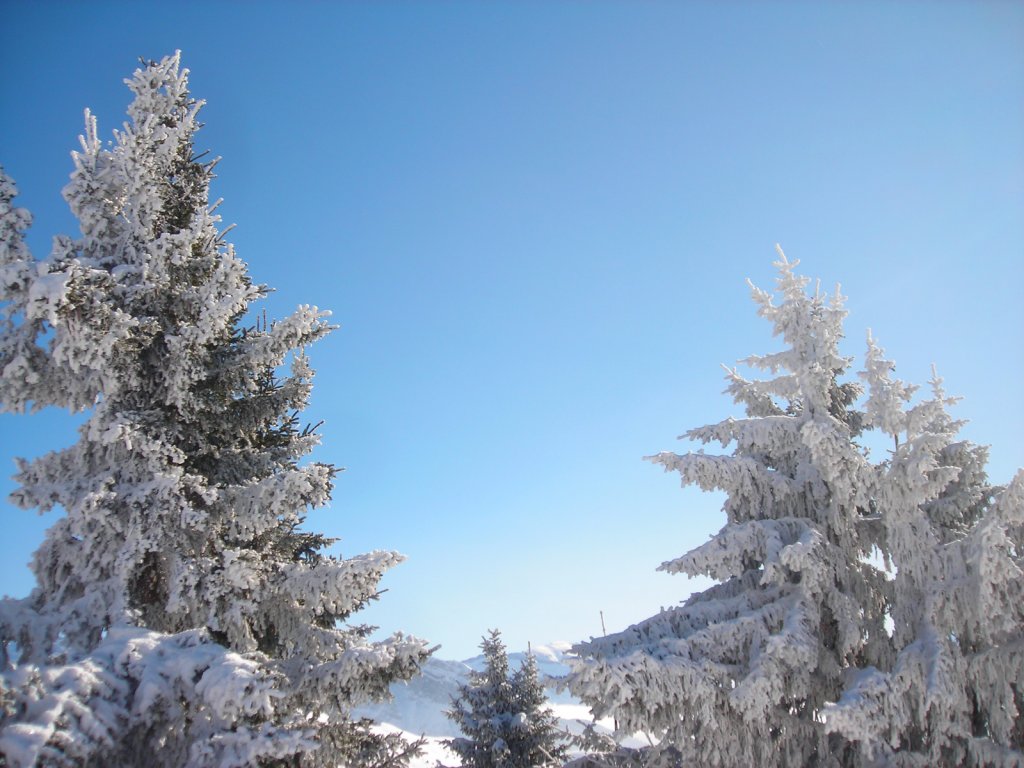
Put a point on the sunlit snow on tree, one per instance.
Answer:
(953, 694)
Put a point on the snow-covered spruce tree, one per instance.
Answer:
(954, 694)
(504, 717)
(738, 674)
(539, 742)
(182, 616)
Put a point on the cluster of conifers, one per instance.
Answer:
(865, 612)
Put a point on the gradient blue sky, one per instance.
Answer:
(533, 222)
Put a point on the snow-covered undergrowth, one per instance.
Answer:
(434, 751)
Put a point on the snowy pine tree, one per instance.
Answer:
(182, 616)
(739, 674)
(810, 651)
(504, 717)
(954, 694)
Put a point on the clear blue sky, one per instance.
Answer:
(533, 222)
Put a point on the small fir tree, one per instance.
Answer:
(182, 615)
(504, 717)
(540, 741)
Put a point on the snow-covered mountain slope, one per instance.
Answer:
(418, 706)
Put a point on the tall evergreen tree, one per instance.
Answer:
(867, 613)
(739, 674)
(504, 717)
(180, 605)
